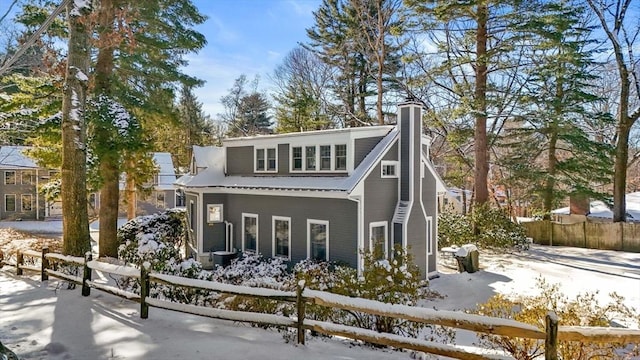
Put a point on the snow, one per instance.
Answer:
(47, 321)
(121, 270)
(78, 5)
(13, 157)
(74, 112)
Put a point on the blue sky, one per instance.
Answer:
(245, 37)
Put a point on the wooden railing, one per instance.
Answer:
(302, 296)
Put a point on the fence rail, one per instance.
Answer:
(484, 324)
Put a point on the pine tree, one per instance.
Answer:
(196, 128)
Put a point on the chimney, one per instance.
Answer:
(410, 127)
(579, 205)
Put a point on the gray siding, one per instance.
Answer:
(240, 160)
(37, 202)
(192, 221)
(149, 204)
(341, 215)
(405, 128)
(213, 235)
(381, 197)
(417, 225)
(283, 159)
(429, 199)
(363, 147)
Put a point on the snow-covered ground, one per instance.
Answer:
(41, 321)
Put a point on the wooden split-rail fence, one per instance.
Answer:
(481, 324)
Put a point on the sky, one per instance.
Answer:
(248, 37)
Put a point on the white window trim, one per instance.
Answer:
(15, 203)
(21, 202)
(221, 206)
(393, 163)
(429, 235)
(319, 222)
(384, 224)
(273, 236)
(164, 200)
(332, 158)
(30, 177)
(266, 159)
(246, 215)
(15, 180)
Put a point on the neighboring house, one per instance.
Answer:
(599, 211)
(323, 195)
(19, 185)
(453, 199)
(163, 194)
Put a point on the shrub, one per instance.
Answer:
(584, 310)
(494, 229)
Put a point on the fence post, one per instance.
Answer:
(19, 262)
(300, 304)
(551, 340)
(144, 290)
(45, 264)
(86, 275)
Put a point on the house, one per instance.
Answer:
(598, 211)
(163, 193)
(21, 177)
(455, 200)
(323, 195)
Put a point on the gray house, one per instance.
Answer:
(323, 195)
(19, 185)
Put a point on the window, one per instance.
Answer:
(296, 158)
(9, 202)
(259, 159)
(214, 213)
(318, 240)
(180, 198)
(282, 237)
(325, 157)
(271, 159)
(93, 200)
(378, 243)
(249, 232)
(389, 169)
(160, 200)
(266, 159)
(10, 178)
(341, 157)
(310, 152)
(26, 202)
(28, 178)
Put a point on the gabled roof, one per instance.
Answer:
(166, 171)
(214, 177)
(13, 157)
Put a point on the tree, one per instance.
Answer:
(622, 32)
(246, 109)
(302, 98)
(196, 128)
(75, 219)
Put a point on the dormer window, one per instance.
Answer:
(325, 157)
(341, 157)
(296, 158)
(318, 158)
(310, 152)
(266, 160)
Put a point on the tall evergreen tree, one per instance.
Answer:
(196, 128)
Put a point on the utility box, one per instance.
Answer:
(224, 258)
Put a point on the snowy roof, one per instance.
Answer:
(600, 210)
(166, 172)
(215, 177)
(13, 157)
(208, 156)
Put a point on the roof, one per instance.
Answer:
(599, 209)
(14, 157)
(166, 171)
(215, 177)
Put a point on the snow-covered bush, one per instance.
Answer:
(494, 229)
(154, 238)
(253, 270)
(584, 310)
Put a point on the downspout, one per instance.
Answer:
(360, 261)
(37, 197)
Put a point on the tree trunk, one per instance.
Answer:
(551, 174)
(131, 193)
(109, 196)
(480, 111)
(75, 217)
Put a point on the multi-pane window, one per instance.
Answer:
(318, 240)
(296, 158)
(389, 169)
(10, 178)
(378, 243)
(325, 157)
(9, 202)
(26, 202)
(27, 177)
(341, 157)
(271, 159)
(281, 236)
(250, 232)
(310, 155)
(266, 159)
(260, 160)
